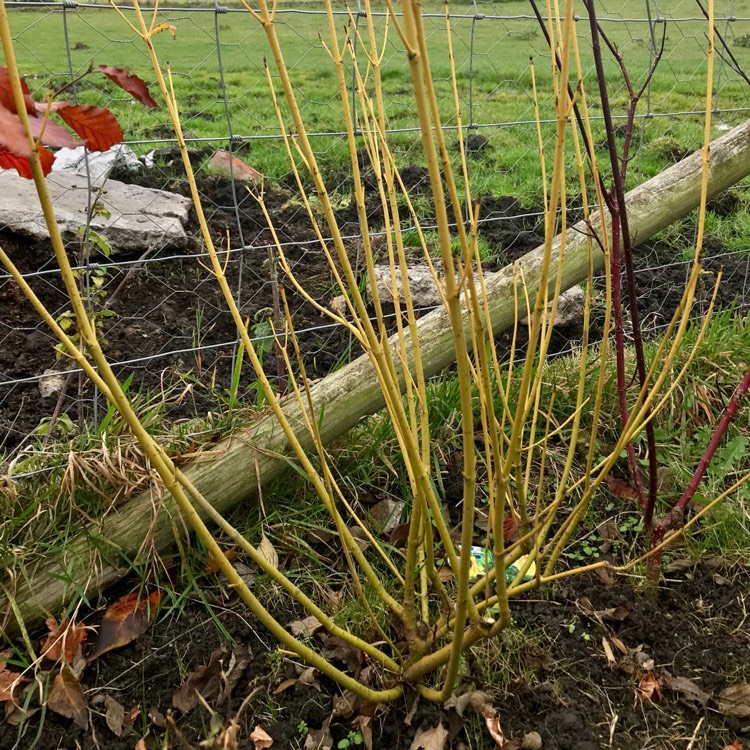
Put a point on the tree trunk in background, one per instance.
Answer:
(231, 472)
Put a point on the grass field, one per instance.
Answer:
(493, 76)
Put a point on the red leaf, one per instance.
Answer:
(127, 619)
(66, 697)
(619, 487)
(6, 94)
(130, 83)
(22, 166)
(63, 640)
(54, 135)
(13, 137)
(95, 124)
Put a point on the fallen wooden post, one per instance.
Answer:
(98, 555)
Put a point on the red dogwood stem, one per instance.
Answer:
(713, 444)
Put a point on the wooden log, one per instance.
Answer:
(99, 554)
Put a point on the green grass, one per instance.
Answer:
(500, 78)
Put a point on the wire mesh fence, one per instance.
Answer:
(165, 319)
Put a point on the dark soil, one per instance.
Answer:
(170, 305)
(560, 684)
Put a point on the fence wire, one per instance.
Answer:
(169, 325)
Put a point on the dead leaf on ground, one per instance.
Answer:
(205, 680)
(239, 660)
(620, 487)
(127, 619)
(635, 660)
(433, 738)
(260, 738)
(619, 645)
(66, 697)
(132, 715)
(399, 536)
(612, 614)
(224, 739)
(735, 700)
(319, 739)
(492, 722)
(212, 566)
(337, 649)
(268, 552)
(246, 573)
(386, 515)
(285, 685)
(345, 705)
(115, 715)
(736, 745)
(649, 687)
(63, 640)
(608, 653)
(306, 627)
(688, 691)
(9, 682)
(474, 699)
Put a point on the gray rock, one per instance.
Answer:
(424, 291)
(570, 307)
(139, 218)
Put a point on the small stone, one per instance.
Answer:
(532, 741)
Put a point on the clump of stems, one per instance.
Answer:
(432, 622)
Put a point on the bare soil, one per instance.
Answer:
(169, 315)
(561, 683)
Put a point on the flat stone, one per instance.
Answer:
(139, 218)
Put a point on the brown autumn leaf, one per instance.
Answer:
(620, 487)
(127, 619)
(433, 738)
(212, 566)
(649, 687)
(134, 86)
(6, 94)
(306, 627)
(736, 745)
(268, 552)
(608, 653)
(205, 681)
(260, 738)
(115, 715)
(96, 125)
(239, 661)
(688, 691)
(612, 614)
(492, 722)
(63, 640)
(66, 697)
(386, 515)
(735, 700)
(9, 681)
